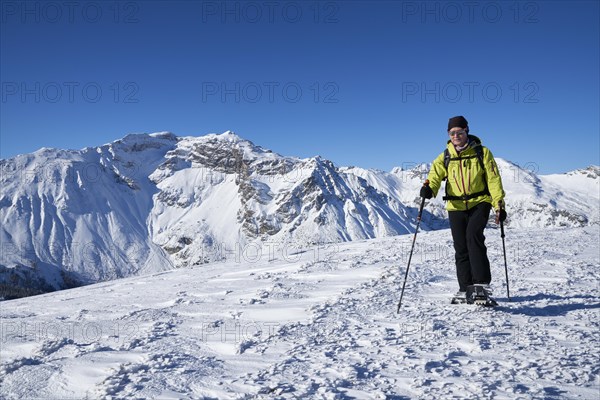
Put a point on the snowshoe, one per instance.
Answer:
(480, 295)
(459, 298)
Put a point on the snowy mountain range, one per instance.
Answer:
(154, 202)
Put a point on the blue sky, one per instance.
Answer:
(365, 83)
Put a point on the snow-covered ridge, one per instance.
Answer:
(152, 202)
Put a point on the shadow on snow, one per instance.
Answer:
(560, 307)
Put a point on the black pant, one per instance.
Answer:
(472, 264)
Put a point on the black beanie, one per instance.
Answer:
(458, 122)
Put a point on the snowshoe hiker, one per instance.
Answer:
(473, 187)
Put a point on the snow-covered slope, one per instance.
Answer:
(321, 325)
(73, 217)
(570, 199)
(149, 203)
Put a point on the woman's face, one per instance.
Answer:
(458, 136)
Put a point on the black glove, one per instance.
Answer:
(500, 216)
(426, 192)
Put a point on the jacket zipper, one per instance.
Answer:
(469, 179)
(462, 178)
(493, 168)
(456, 180)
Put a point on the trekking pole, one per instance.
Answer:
(504, 251)
(412, 248)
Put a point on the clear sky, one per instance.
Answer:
(364, 83)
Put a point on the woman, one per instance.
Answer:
(473, 187)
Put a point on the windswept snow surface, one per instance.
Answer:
(321, 323)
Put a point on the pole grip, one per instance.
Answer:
(426, 183)
(501, 207)
(421, 209)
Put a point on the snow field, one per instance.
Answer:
(321, 324)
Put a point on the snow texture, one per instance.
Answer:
(320, 322)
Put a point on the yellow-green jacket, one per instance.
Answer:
(465, 177)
